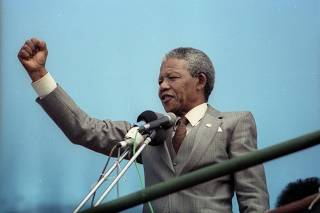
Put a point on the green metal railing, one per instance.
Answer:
(209, 172)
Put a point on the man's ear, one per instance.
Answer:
(202, 80)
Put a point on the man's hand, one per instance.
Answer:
(33, 55)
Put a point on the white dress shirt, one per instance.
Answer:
(195, 115)
(44, 85)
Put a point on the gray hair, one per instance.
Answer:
(197, 62)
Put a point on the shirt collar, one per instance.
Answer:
(196, 114)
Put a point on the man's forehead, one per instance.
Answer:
(172, 64)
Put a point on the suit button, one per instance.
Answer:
(174, 163)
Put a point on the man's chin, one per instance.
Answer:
(168, 108)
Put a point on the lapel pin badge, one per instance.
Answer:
(208, 125)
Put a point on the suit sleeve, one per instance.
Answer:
(250, 184)
(97, 135)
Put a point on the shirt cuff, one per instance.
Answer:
(44, 85)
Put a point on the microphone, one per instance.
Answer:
(132, 136)
(150, 116)
(154, 121)
(164, 121)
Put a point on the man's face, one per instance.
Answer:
(178, 91)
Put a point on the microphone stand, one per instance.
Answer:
(134, 157)
(98, 184)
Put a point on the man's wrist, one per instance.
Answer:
(37, 75)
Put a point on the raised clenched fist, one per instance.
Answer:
(33, 55)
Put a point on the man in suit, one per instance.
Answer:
(202, 136)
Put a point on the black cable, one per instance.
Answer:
(102, 173)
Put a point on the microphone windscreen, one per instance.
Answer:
(147, 116)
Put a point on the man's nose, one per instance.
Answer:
(164, 85)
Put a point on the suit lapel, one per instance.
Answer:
(206, 132)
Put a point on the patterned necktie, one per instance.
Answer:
(180, 133)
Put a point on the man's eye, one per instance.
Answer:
(173, 77)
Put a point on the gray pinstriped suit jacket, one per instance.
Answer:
(203, 145)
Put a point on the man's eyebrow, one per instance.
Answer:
(172, 72)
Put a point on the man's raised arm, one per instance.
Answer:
(77, 125)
